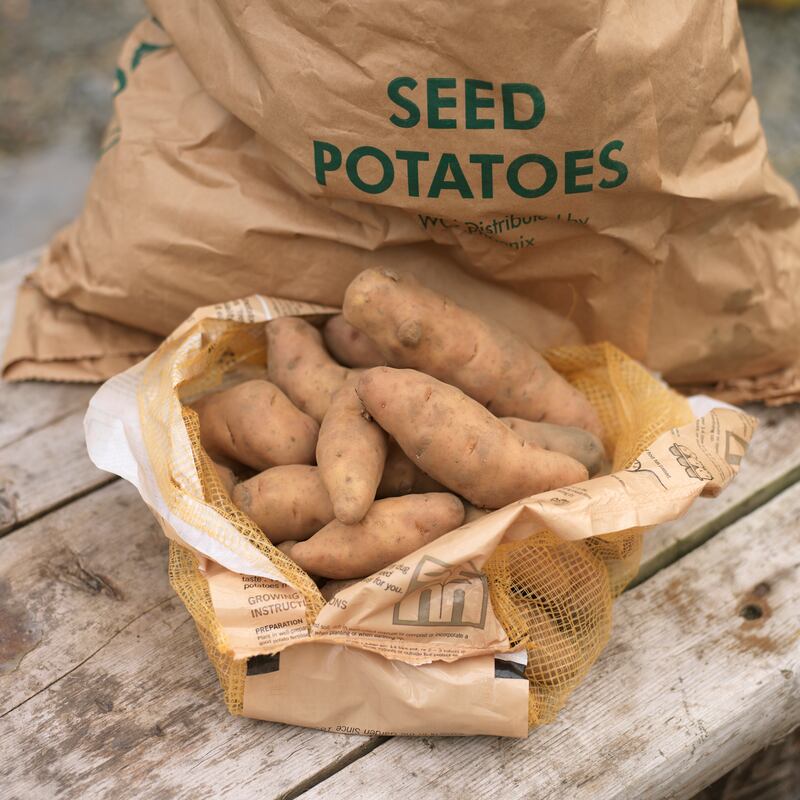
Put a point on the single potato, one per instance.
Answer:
(287, 503)
(458, 442)
(299, 364)
(255, 424)
(392, 529)
(575, 442)
(351, 452)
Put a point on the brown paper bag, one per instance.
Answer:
(604, 161)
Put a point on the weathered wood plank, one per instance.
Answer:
(43, 460)
(44, 470)
(29, 407)
(104, 686)
(688, 688)
(70, 581)
(772, 464)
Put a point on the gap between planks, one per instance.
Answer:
(46, 470)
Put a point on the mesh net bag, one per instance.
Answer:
(552, 596)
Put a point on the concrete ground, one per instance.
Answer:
(56, 65)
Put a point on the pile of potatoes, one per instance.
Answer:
(401, 418)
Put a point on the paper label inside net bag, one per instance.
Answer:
(420, 609)
(257, 614)
(433, 604)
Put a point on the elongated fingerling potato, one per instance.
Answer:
(458, 442)
(351, 452)
(254, 423)
(285, 502)
(415, 327)
(299, 364)
(392, 528)
(574, 442)
(348, 345)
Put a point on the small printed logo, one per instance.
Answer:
(443, 595)
(637, 469)
(690, 462)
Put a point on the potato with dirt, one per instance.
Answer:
(299, 364)
(348, 345)
(287, 503)
(415, 327)
(575, 442)
(401, 476)
(351, 452)
(255, 423)
(392, 529)
(460, 443)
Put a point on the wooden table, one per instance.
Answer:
(105, 690)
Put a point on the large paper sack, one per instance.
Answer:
(603, 159)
